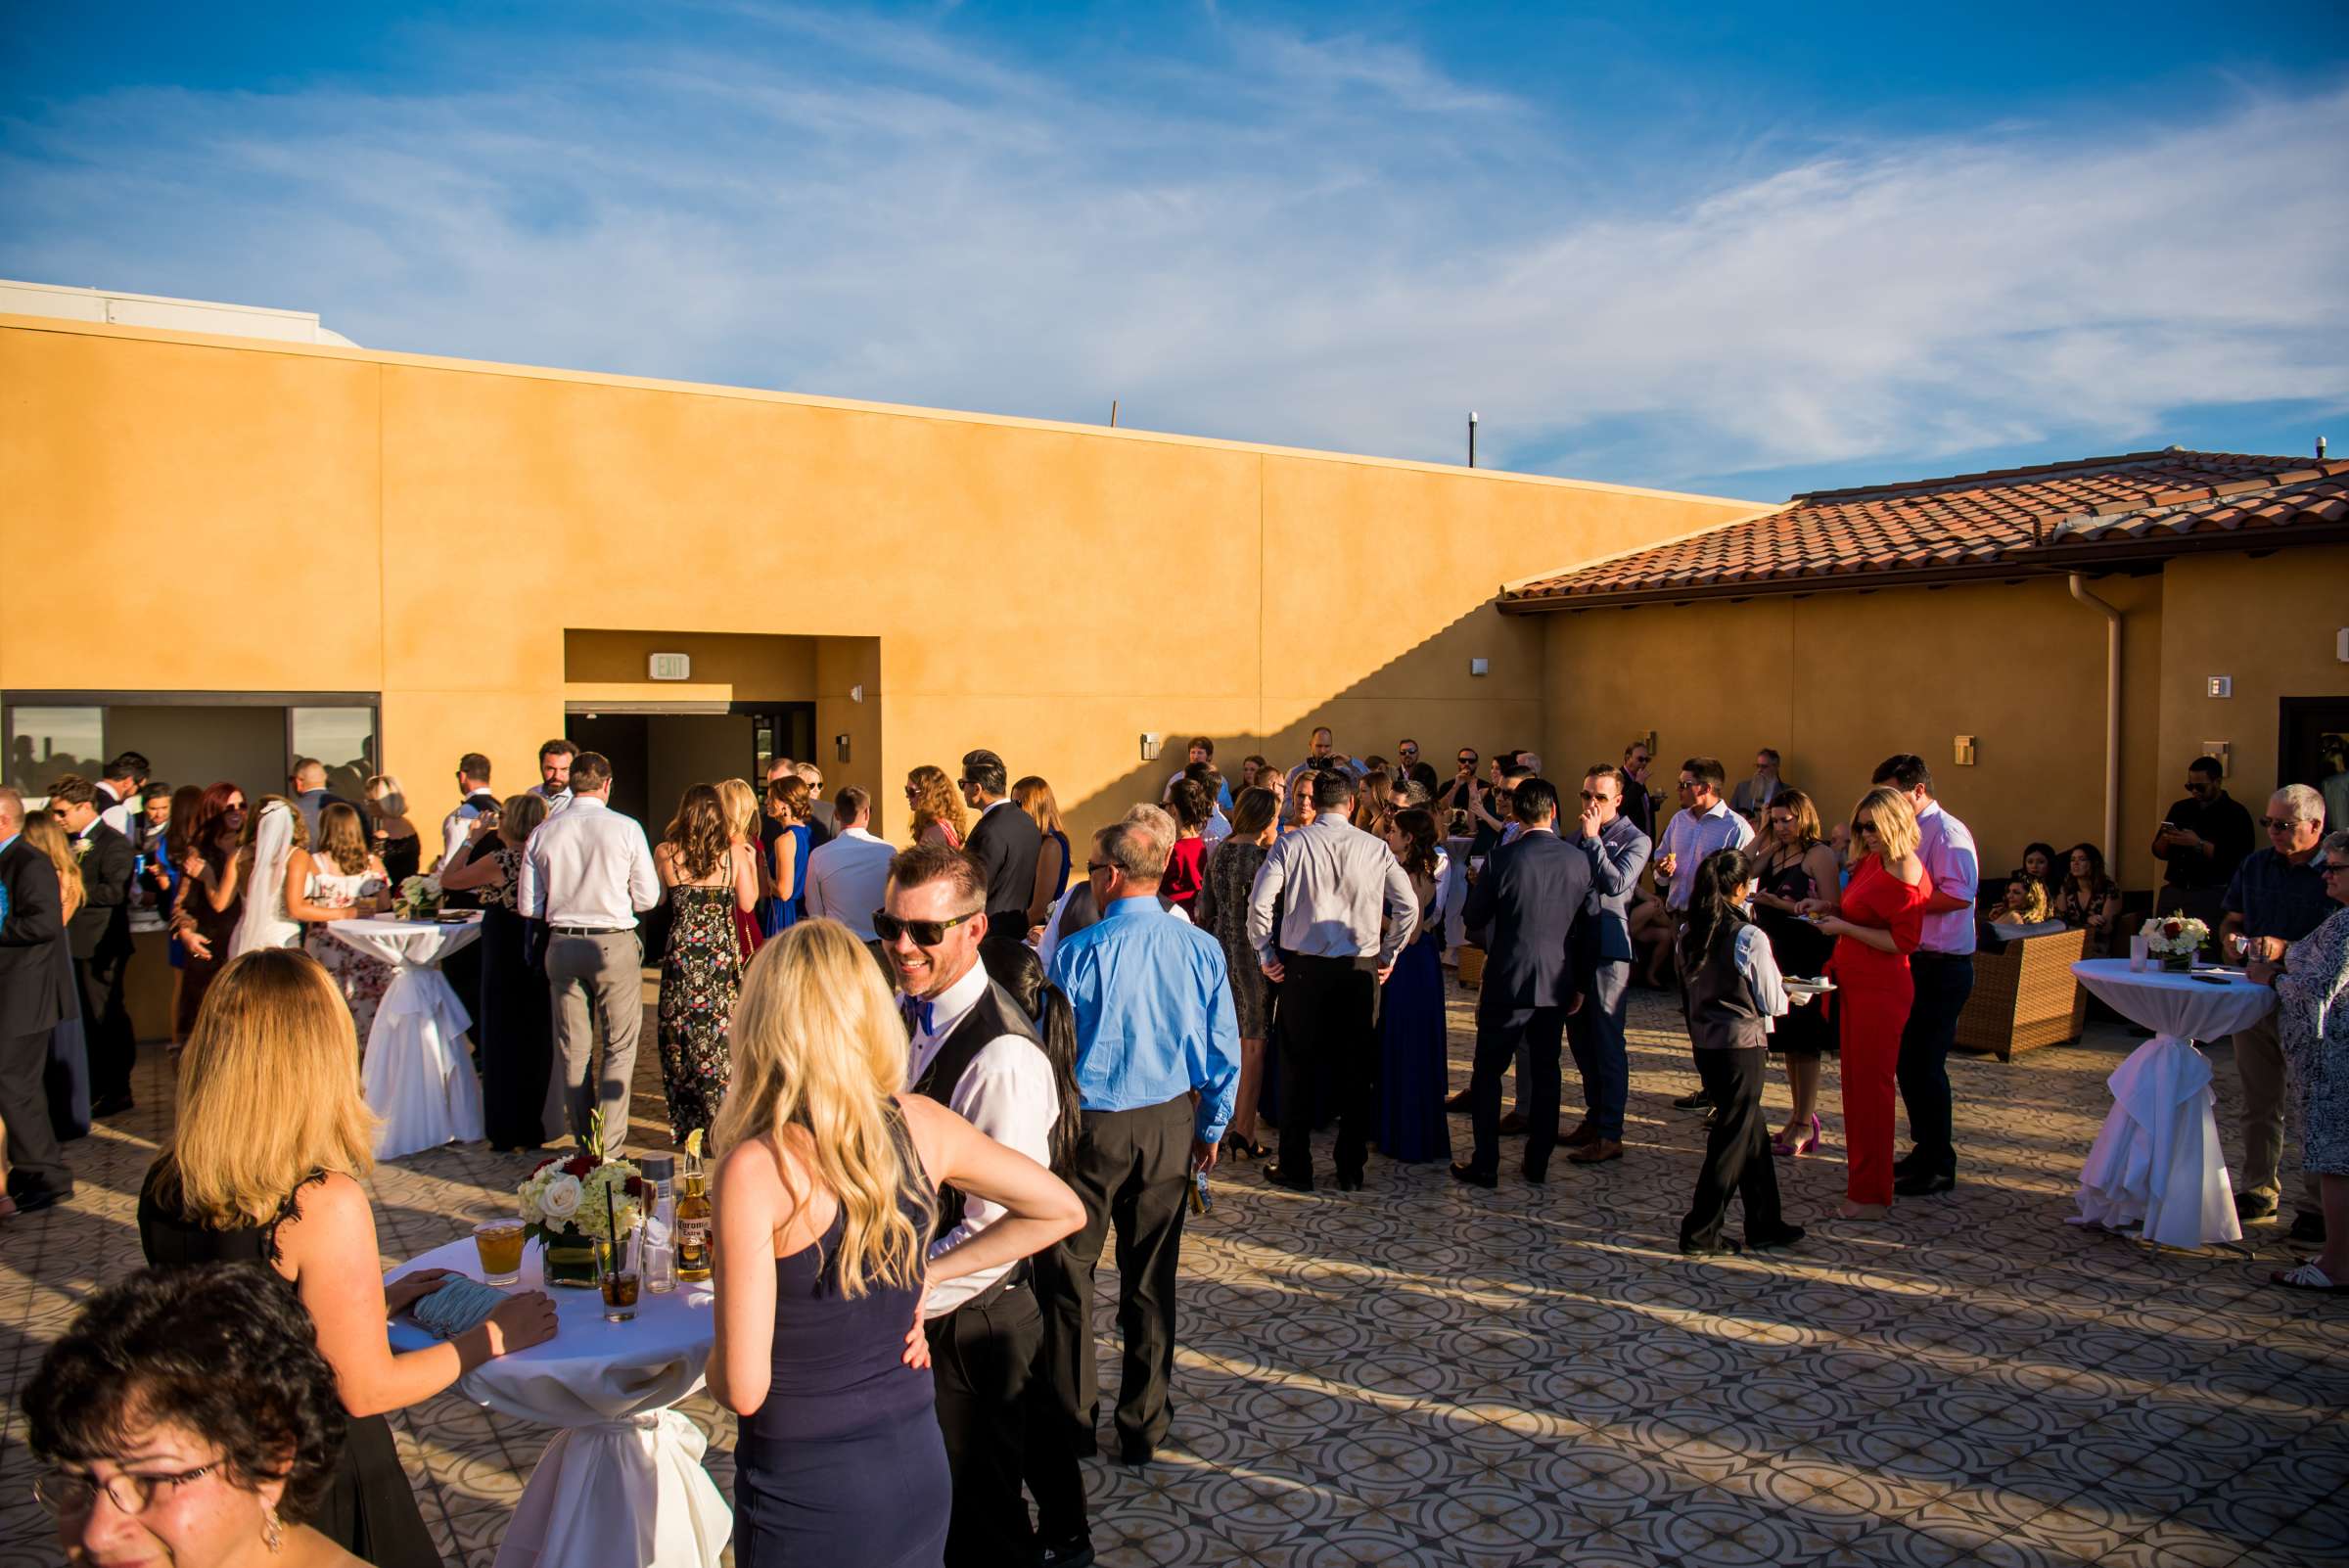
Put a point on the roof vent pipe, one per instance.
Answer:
(2320, 448)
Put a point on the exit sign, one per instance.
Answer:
(673, 666)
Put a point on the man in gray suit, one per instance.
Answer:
(1617, 851)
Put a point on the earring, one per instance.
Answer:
(273, 1530)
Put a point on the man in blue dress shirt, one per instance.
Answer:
(1154, 1025)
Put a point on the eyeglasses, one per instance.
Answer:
(1466, 758)
(1408, 751)
(1863, 827)
(925, 933)
(2275, 824)
(1684, 783)
(69, 1494)
(2329, 867)
(1588, 795)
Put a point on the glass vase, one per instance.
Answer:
(569, 1260)
(2177, 963)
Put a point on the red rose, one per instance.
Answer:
(579, 1165)
(2173, 928)
(635, 1186)
(544, 1164)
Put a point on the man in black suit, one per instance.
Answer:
(1006, 842)
(99, 938)
(1529, 905)
(33, 1002)
(1617, 851)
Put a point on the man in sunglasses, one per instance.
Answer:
(1408, 767)
(2275, 897)
(1155, 1028)
(1618, 853)
(974, 1049)
(2201, 842)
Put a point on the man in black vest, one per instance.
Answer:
(32, 1001)
(1529, 905)
(975, 1050)
(99, 936)
(1006, 843)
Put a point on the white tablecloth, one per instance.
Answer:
(2157, 1162)
(418, 1067)
(621, 1485)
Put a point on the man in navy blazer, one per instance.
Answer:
(1616, 850)
(1529, 902)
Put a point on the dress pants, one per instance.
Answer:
(1873, 1016)
(2259, 1061)
(1326, 1010)
(1050, 1461)
(981, 1356)
(604, 972)
(106, 1028)
(1596, 1035)
(1942, 982)
(35, 1161)
(1130, 1169)
(1737, 1156)
(1501, 1034)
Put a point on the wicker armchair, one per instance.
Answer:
(2025, 997)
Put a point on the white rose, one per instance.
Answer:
(561, 1199)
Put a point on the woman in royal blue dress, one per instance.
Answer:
(826, 1194)
(788, 802)
(1413, 1068)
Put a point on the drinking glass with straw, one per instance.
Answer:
(620, 1279)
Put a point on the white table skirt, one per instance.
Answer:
(2156, 1161)
(621, 1485)
(418, 1067)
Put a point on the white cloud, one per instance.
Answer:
(1325, 241)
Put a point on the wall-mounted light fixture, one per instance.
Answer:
(855, 694)
(1152, 742)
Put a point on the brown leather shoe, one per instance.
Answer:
(1594, 1152)
(1584, 1134)
(1457, 1102)
(1512, 1122)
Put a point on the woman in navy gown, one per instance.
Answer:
(820, 1241)
(1411, 1126)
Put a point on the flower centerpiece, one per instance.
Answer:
(419, 899)
(569, 1204)
(2175, 940)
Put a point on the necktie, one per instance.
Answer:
(918, 1013)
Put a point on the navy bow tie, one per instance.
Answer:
(918, 1013)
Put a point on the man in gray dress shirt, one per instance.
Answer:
(1334, 887)
(587, 872)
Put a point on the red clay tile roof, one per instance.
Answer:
(1968, 525)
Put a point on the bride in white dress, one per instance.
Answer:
(273, 835)
(341, 879)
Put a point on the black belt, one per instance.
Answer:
(592, 931)
(1014, 1277)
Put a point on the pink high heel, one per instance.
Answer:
(1798, 1146)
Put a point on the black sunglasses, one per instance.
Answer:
(1863, 827)
(925, 933)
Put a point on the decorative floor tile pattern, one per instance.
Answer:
(1426, 1374)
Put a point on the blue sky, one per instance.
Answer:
(1749, 250)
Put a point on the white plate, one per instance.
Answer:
(1810, 987)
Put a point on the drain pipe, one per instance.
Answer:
(2112, 716)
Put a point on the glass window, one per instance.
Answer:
(343, 738)
(45, 742)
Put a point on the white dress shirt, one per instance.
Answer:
(118, 814)
(848, 877)
(589, 866)
(1947, 847)
(456, 829)
(555, 800)
(1006, 1093)
(1217, 829)
(1690, 836)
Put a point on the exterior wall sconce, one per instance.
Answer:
(1152, 742)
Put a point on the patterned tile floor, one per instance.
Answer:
(1426, 1374)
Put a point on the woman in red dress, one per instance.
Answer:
(1186, 860)
(1877, 929)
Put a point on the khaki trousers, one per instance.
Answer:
(2259, 1060)
(591, 978)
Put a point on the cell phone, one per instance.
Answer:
(2208, 979)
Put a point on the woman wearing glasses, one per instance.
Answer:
(188, 1417)
(2312, 1007)
(1876, 928)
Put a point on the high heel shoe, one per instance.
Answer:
(1782, 1144)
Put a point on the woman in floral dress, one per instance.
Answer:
(2312, 1014)
(701, 972)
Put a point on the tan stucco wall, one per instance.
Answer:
(2269, 622)
(1837, 681)
(429, 529)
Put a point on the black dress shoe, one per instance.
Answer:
(2254, 1206)
(2308, 1226)
(1130, 1453)
(1276, 1177)
(1699, 1101)
(1777, 1236)
(1457, 1102)
(1512, 1123)
(1922, 1183)
(1538, 1179)
(1351, 1183)
(1723, 1247)
(39, 1198)
(1474, 1177)
(1075, 1552)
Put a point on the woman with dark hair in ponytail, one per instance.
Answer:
(1049, 1466)
(1733, 992)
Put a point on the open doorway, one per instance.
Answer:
(2311, 748)
(657, 756)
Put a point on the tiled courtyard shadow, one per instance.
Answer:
(1426, 1374)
